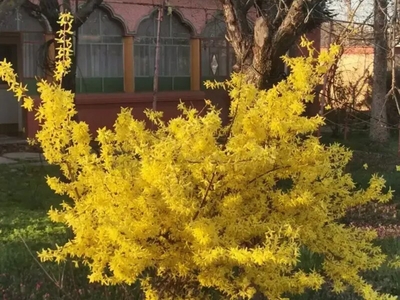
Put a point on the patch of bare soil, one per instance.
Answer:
(384, 218)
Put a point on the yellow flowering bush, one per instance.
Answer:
(195, 205)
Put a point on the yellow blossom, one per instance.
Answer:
(196, 204)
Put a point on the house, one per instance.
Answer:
(116, 54)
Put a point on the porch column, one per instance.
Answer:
(52, 53)
(129, 79)
(195, 68)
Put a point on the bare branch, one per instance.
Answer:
(293, 24)
(84, 12)
(32, 9)
(249, 4)
(238, 29)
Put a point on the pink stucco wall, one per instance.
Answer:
(101, 110)
(194, 13)
(131, 12)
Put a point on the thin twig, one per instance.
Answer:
(203, 201)
(43, 269)
(267, 172)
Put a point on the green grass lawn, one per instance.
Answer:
(381, 160)
(25, 229)
(24, 200)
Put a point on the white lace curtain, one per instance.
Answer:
(100, 48)
(174, 47)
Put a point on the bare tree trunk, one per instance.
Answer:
(255, 52)
(278, 25)
(378, 130)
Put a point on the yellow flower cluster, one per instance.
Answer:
(64, 48)
(8, 75)
(196, 205)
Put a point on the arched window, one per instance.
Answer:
(174, 67)
(32, 37)
(100, 55)
(217, 56)
(19, 20)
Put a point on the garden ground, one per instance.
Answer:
(25, 228)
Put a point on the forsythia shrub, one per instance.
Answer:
(195, 204)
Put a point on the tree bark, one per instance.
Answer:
(378, 124)
(279, 24)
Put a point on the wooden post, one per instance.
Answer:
(195, 68)
(157, 59)
(129, 78)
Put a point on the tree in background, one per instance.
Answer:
(278, 25)
(378, 125)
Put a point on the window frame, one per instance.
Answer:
(170, 79)
(215, 30)
(86, 79)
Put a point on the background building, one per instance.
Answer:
(116, 57)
